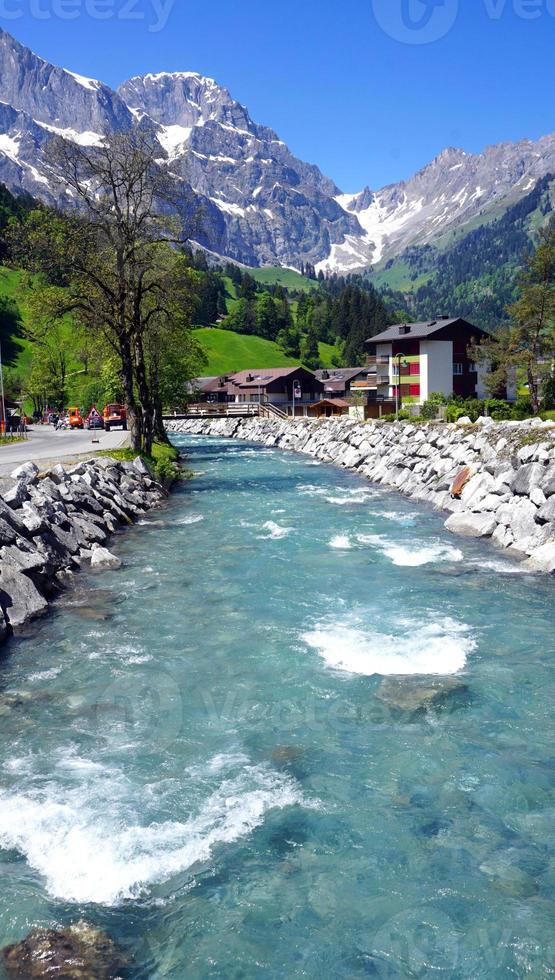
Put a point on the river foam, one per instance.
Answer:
(274, 531)
(411, 555)
(88, 843)
(433, 647)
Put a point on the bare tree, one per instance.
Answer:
(115, 254)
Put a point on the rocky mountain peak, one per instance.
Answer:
(262, 205)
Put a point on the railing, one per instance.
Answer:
(268, 411)
(232, 410)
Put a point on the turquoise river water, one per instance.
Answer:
(195, 756)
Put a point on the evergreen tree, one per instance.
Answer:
(310, 354)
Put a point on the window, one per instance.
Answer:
(458, 368)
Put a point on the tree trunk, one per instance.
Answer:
(145, 400)
(133, 420)
(533, 388)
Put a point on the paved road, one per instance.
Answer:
(45, 445)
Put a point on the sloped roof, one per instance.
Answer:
(338, 402)
(420, 331)
(339, 374)
(252, 379)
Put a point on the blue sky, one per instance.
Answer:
(343, 83)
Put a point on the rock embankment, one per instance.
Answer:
(497, 479)
(53, 523)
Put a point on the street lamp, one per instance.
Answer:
(404, 364)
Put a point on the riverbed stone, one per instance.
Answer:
(416, 694)
(77, 952)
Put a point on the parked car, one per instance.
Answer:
(75, 418)
(94, 419)
(114, 416)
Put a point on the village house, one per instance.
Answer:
(412, 360)
(281, 387)
(343, 382)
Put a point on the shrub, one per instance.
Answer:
(548, 393)
(454, 412)
(498, 409)
(522, 408)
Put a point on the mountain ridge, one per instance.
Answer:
(261, 204)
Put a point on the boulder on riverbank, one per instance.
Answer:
(53, 522)
(79, 952)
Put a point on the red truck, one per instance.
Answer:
(114, 416)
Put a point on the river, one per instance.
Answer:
(200, 755)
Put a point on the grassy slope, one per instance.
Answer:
(16, 350)
(283, 277)
(228, 352)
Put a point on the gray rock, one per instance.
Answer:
(78, 952)
(102, 558)
(27, 471)
(415, 694)
(548, 482)
(16, 494)
(23, 559)
(527, 477)
(141, 467)
(91, 532)
(547, 511)
(471, 525)
(32, 519)
(543, 559)
(538, 497)
(59, 473)
(20, 600)
(7, 533)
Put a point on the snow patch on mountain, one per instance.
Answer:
(174, 138)
(9, 145)
(90, 83)
(87, 138)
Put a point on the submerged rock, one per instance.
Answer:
(79, 952)
(415, 694)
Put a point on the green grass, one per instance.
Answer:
(399, 278)
(16, 350)
(283, 277)
(228, 352)
(164, 462)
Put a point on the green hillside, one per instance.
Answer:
(472, 271)
(287, 278)
(16, 350)
(228, 352)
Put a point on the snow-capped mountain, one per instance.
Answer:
(260, 204)
(454, 189)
